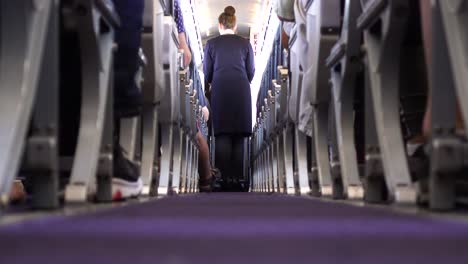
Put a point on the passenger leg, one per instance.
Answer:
(426, 21)
(204, 165)
(425, 7)
(128, 98)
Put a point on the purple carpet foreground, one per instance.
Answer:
(236, 228)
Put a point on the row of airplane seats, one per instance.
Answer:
(343, 116)
(57, 122)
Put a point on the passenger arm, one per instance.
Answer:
(179, 20)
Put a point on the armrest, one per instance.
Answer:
(372, 9)
(108, 12)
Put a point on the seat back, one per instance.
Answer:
(23, 31)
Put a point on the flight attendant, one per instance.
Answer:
(229, 68)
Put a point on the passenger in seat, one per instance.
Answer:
(128, 98)
(207, 182)
(229, 68)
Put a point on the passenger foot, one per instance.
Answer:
(18, 193)
(126, 182)
(123, 189)
(212, 184)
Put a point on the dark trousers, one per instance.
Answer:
(128, 39)
(229, 159)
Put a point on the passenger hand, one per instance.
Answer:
(206, 113)
(187, 56)
(184, 46)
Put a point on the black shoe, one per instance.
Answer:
(237, 186)
(213, 184)
(244, 186)
(126, 182)
(217, 180)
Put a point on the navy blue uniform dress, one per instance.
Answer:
(229, 67)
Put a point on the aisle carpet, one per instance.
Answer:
(236, 228)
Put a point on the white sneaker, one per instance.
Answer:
(122, 189)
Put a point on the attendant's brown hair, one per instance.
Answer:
(228, 18)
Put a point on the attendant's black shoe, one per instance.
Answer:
(237, 186)
(244, 186)
(126, 182)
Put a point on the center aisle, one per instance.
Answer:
(236, 228)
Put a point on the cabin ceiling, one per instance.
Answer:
(247, 12)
